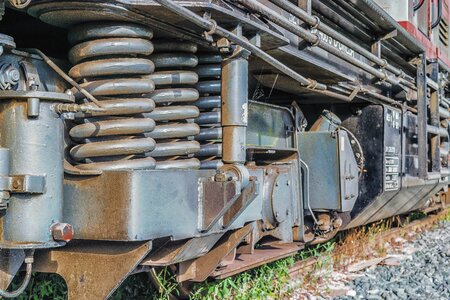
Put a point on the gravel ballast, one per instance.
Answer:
(423, 275)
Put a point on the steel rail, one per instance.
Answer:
(315, 22)
(315, 40)
(310, 264)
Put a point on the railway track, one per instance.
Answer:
(389, 235)
(350, 241)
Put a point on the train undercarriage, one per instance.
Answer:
(207, 136)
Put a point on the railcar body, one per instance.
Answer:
(142, 134)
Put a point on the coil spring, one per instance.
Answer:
(209, 87)
(175, 128)
(114, 63)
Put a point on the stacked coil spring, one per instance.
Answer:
(174, 81)
(209, 87)
(112, 61)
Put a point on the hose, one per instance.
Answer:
(29, 262)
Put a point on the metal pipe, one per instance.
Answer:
(439, 15)
(315, 22)
(380, 98)
(65, 76)
(234, 109)
(315, 40)
(305, 168)
(213, 28)
(418, 5)
(23, 286)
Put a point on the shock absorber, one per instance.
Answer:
(175, 129)
(110, 59)
(210, 136)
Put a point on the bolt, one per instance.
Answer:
(220, 177)
(13, 74)
(16, 183)
(62, 232)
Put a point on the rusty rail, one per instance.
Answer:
(308, 264)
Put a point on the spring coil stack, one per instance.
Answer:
(210, 137)
(116, 63)
(174, 80)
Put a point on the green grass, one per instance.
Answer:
(270, 281)
(447, 217)
(41, 286)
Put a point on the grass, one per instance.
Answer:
(271, 281)
(447, 217)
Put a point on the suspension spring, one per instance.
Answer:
(209, 86)
(144, 124)
(175, 129)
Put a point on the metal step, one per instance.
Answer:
(267, 253)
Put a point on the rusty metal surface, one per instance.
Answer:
(248, 194)
(178, 251)
(10, 262)
(199, 269)
(265, 254)
(134, 205)
(83, 264)
(217, 196)
(428, 222)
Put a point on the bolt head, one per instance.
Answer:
(14, 74)
(62, 232)
(220, 177)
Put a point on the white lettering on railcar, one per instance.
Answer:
(336, 44)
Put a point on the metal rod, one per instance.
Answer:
(422, 137)
(234, 109)
(315, 40)
(439, 15)
(25, 282)
(315, 22)
(213, 28)
(380, 98)
(418, 5)
(305, 168)
(65, 76)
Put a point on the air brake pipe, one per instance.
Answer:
(418, 5)
(28, 261)
(213, 28)
(315, 22)
(439, 15)
(314, 39)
